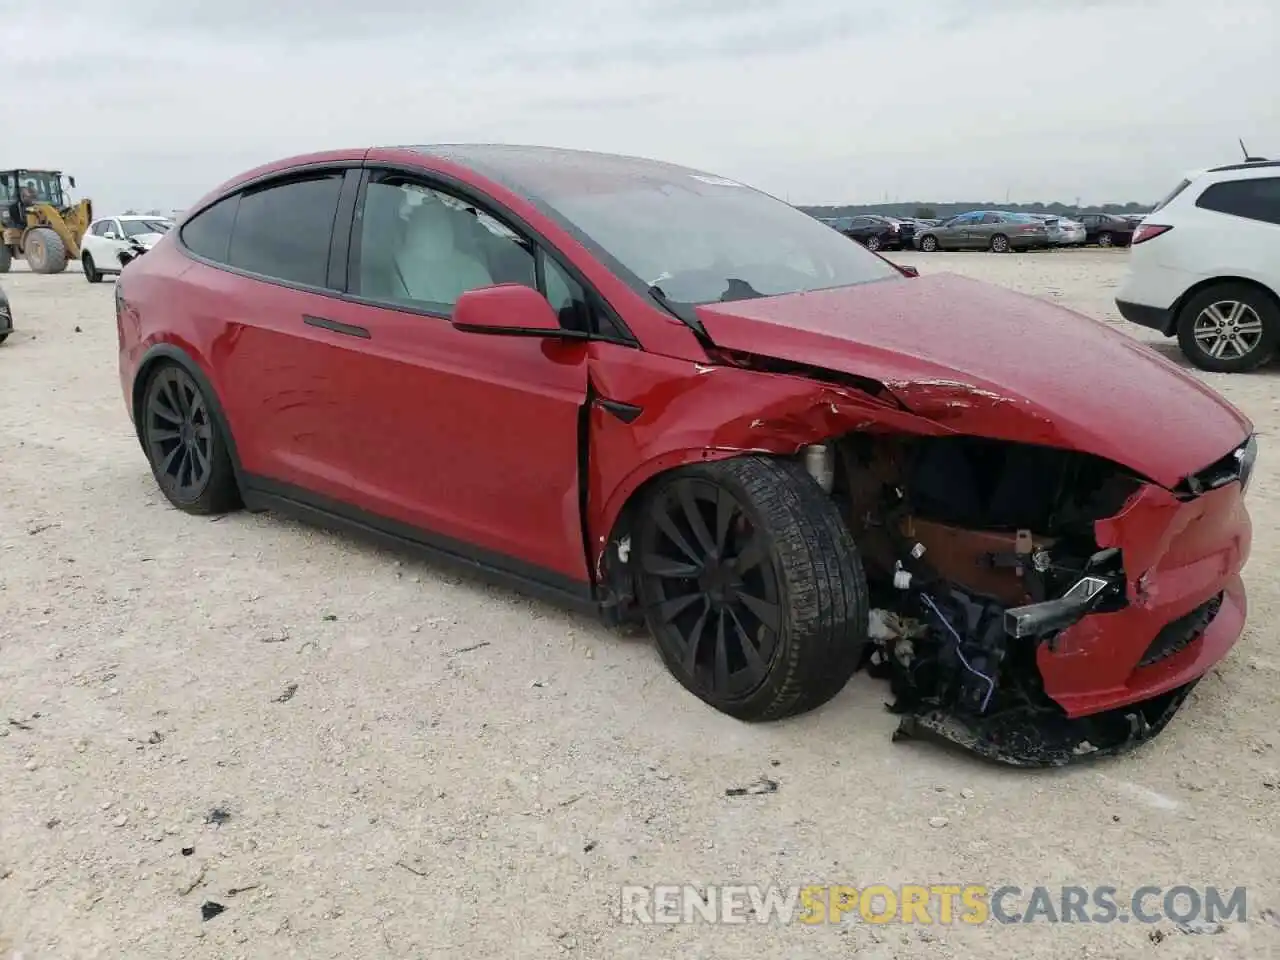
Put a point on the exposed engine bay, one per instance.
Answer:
(976, 552)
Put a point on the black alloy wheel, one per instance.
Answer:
(711, 588)
(179, 435)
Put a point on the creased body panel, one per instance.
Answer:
(990, 362)
(1177, 557)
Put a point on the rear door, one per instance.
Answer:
(984, 228)
(271, 369)
(1245, 229)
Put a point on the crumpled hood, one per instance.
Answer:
(986, 361)
(148, 240)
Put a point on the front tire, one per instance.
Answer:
(929, 244)
(45, 251)
(752, 586)
(185, 444)
(91, 273)
(1229, 328)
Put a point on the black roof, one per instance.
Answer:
(1248, 165)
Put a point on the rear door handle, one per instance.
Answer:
(347, 329)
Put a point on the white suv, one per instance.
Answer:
(106, 238)
(1205, 265)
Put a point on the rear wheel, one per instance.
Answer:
(999, 243)
(1229, 328)
(91, 273)
(45, 251)
(185, 444)
(1105, 239)
(929, 244)
(873, 242)
(752, 586)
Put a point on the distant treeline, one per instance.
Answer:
(944, 210)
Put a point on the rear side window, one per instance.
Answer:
(208, 234)
(1253, 199)
(1168, 198)
(283, 231)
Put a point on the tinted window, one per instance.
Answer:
(284, 231)
(100, 228)
(208, 234)
(1254, 199)
(421, 247)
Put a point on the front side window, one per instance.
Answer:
(100, 228)
(424, 248)
(702, 239)
(283, 231)
(1252, 199)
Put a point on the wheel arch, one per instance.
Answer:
(159, 355)
(1175, 313)
(610, 570)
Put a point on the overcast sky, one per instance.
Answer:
(153, 102)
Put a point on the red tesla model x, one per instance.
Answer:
(661, 394)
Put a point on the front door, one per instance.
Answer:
(473, 438)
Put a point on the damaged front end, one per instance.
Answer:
(990, 563)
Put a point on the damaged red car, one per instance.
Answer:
(660, 394)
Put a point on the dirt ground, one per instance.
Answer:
(364, 756)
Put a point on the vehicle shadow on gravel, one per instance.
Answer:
(1171, 351)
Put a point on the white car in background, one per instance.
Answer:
(1063, 231)
(108, 236)
(1205, 266)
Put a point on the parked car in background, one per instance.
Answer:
(1063, 231)
(992, 230)
(109, 237)
(875, 232)
(1205, 266)
(1107, 229)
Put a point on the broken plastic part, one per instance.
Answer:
(1037, 619)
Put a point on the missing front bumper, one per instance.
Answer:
(1045, 738)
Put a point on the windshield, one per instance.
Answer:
(704, 242)
(42, 187)
(136, 228)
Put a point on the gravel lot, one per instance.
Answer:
(460, 771)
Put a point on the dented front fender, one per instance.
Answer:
(691, 413)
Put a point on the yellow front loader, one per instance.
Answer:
(37, 222)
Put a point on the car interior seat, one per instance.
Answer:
(432, 265)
